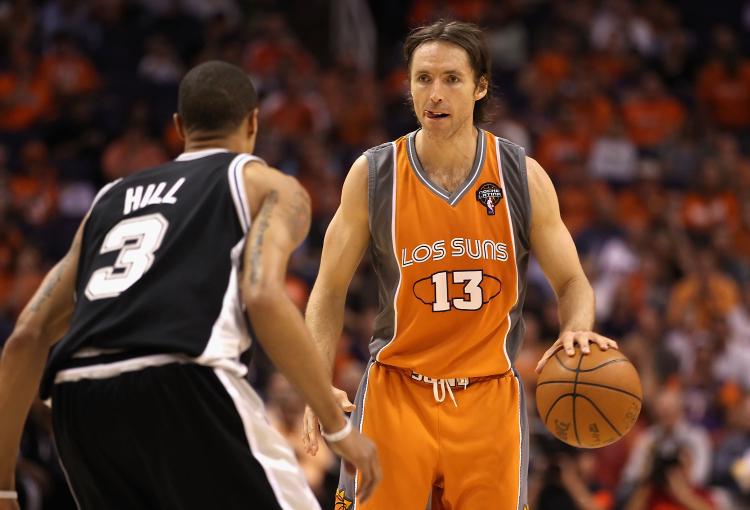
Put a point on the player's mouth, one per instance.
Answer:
(435, 115)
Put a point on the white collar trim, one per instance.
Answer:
(188, 156)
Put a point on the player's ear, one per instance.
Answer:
(481, 89)
(252, 123)
(179, 126)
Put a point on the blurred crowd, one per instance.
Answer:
(639, 111)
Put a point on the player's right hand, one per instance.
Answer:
(360, 458)
(311, 431)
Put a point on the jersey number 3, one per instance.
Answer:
(136, 239)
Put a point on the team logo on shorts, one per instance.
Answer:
(341, 502)
(489, 195)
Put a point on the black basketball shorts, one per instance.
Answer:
(177, 436)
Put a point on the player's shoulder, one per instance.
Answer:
(504, 142)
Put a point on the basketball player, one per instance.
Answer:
(149, 402)
(450, 213)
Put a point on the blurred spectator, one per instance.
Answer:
(134, 149)
(67, 70)
(618, 23)
(160, 64)
(25, 94)
(651, 115)
(669, 463)
(711, 203)
(704, 292)
(285, 409)
(724, 83)
(613, 156)
(731, 468)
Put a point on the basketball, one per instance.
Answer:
(590, 400)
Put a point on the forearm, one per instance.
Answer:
(281, 330)
(639, 498)
(21, 366)
(325, 320)
(575, 303)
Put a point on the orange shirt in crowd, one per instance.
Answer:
(726, 96)
(551, 67)
(23, 101)
(717, 299)
(651, 121)
(594, 113)
(555, 147)
(129, 154)
(703, 213)
(69, 74)
(576, 206)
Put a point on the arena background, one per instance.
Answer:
(639, 110)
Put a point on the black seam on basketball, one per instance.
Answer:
(596, 407)
(575, 394)
(546, 416)
(594, 384)
(590, 369)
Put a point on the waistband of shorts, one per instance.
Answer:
(106, 366)
(453, 382)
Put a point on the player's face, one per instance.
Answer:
(443, 87)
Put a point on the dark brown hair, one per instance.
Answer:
(465, 35)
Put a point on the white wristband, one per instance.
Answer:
(338, 436)
(8, 495)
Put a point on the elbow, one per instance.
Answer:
(22, 339)
(262, 296)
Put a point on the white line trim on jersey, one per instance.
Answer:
(90, 352)
(271, 451)
(520, 440)
(67, 479)
(395, 253)
(107, 370)
(102, 191)
(479, 163)
(236, 183)
(189, 156)
(513, 242)
(361, 422)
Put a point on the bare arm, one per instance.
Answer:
(554, 249)
(41, 323)
(346, 239)
(278, 229)
(281, 224)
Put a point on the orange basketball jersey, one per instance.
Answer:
(450, 266)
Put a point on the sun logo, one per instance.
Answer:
(341, 502)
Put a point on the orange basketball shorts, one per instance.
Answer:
(437, 453)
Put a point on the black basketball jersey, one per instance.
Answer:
(158, 269)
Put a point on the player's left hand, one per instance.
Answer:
(568, 341)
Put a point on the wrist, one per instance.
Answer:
(11, 495)
(339, 435)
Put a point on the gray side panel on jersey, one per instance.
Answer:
(347, 482)
(513, 164)
(381, 167)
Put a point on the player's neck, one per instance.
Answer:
(230, 143)
(453, 154)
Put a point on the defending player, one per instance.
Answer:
(450, 213)
(149, 403)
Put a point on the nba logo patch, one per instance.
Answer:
(489, 195)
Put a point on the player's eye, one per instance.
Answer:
(453, 78)
(423, 78)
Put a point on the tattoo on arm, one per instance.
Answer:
(48, 286)
(298, 215)
(256, 245)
